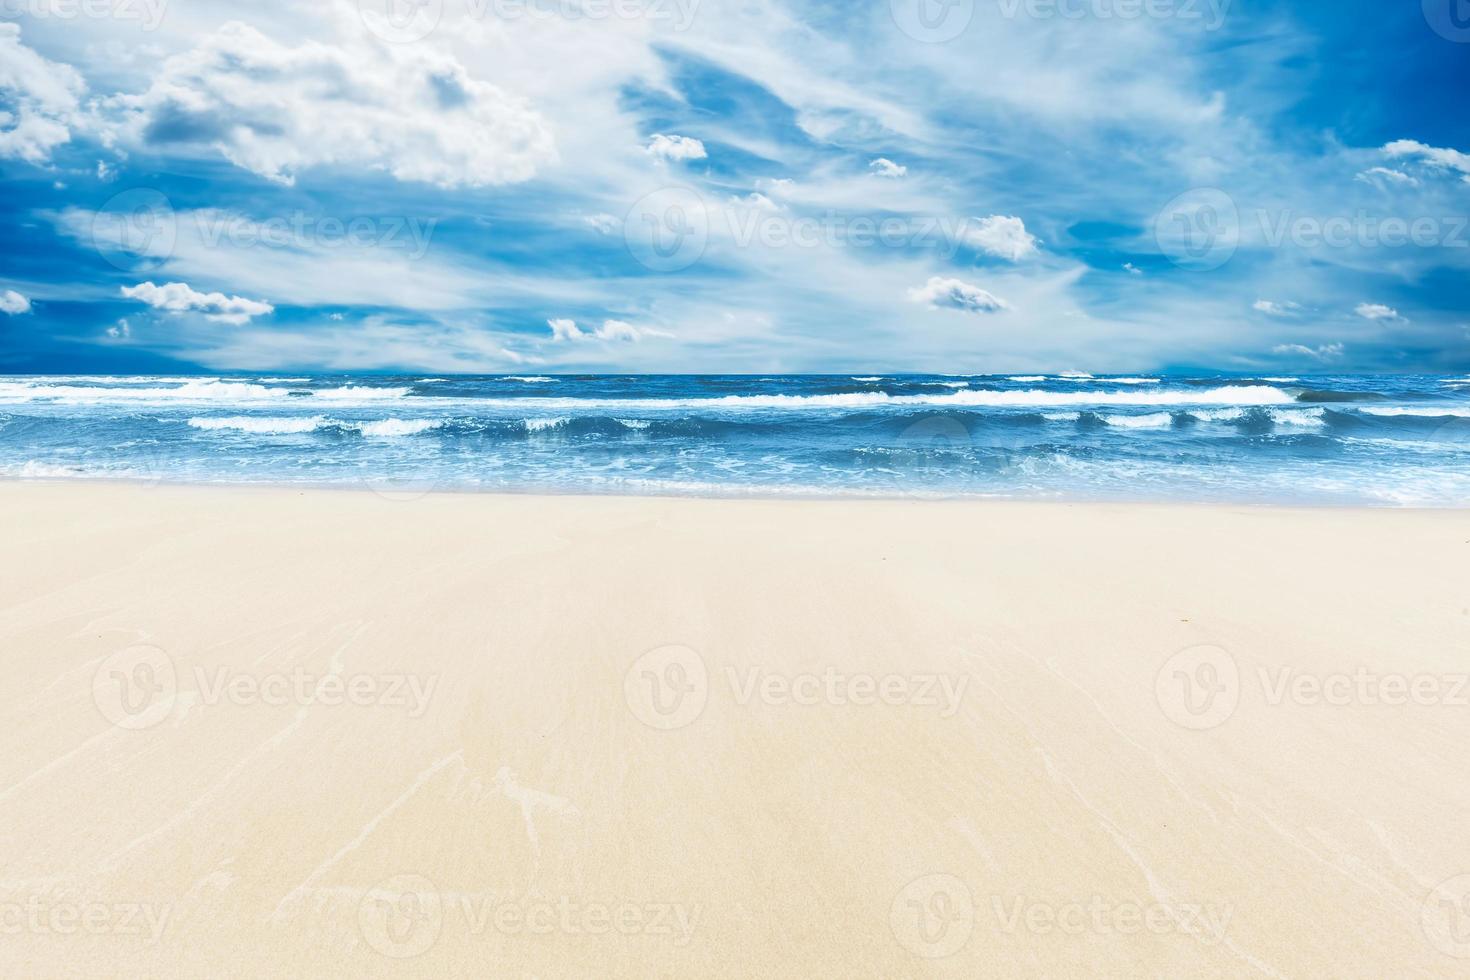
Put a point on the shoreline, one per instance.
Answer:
(775, 496)
(283, 732)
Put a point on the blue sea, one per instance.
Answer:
(1386, 441)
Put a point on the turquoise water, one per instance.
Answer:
(1393, 441)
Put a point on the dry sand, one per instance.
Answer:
(304, 734)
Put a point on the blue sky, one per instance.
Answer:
(496, 186)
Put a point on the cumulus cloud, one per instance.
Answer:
(1434, 157)
(1001, 236)
(562, 329)
(675, 148)
(13, 303)
(567, 330)
(1384, 177)
(1132, 269)
(38, 100)
(275, 110)
(1273, 308)
(956, 294)
(1376, 311)
(178, 297)
(884, 167)
(1323, 352)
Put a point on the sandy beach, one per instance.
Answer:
(268, 732)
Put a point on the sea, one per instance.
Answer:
(1353, 440)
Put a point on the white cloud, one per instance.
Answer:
(1000, 235)
(1132, 269)
(603, 224)
(408, 109)
(1272, 308)
(1376, 311)
(563, 329)
(1324, 352)
(612, 330)
(13, 303)
(675, 148)
(1384, 177)
(120, 330)
(955, 294)
(178, 297)
(40, 99)
(884, 167)
(1431, 156)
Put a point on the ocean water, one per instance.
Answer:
(1389, 441)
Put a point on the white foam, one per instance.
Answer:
(1440, 411)
(1075, 376)
(949, 384)
(635, 423)
(1281, 381)
(189, 391)
(869, 379)
(1310, 418)
(1062, 416)
(1027, 378)
(530, 380)
(261, 425)
(360, 393)
(1219, 414)
(543, 425)
(392, 428)
(1158, 420)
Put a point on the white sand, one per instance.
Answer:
(270, 733)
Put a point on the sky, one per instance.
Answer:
(734, 186)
